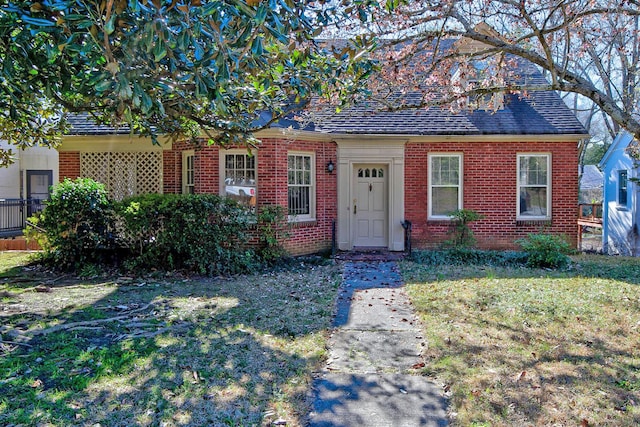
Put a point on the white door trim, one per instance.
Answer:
(388, 153)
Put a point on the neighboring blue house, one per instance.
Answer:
(620, 201)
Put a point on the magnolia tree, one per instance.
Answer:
(586, 48)
(169, 67)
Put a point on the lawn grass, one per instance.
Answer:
(11, 262)
(517, 346)
(162, 350)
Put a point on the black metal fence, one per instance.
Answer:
(14, 213)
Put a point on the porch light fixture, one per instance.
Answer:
(330, 166)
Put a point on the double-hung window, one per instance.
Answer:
(239, 177)
(534, 186)
(623, 183)
(188, 172)
(301, 186)
(445, 185)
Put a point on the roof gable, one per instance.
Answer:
(618, 146)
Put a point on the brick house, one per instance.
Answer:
(369, 171)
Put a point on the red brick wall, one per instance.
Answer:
(171, 171)
(304, 237)
(69, 165)
(309, 236)
(489, 187)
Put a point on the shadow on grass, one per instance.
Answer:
(190, 352)
(523, 346)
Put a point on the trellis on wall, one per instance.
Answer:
(124, 173)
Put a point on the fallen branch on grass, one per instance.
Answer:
(68, 326)
(16, 343)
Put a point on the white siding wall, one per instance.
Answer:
(35, 158)
(620, 232)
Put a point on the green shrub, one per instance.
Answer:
(462, 234)
(546, 250)
(204, 233)
(77, 222)
(33, 232)
(272, 230)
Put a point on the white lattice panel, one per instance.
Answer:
(95, 166)
(149, 172)
(124, 173)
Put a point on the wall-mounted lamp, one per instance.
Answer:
(330, 166)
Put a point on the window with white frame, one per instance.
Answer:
(188, 172)
(623, 183)
(239, 177)
(301, 183)
(534, 186)
(445, 184)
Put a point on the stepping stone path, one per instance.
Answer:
(376, 343)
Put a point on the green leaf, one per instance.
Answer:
(109, 27)
(256, 46)
(199, 52)
(38, 22)
(261, 14)
(159, 52)
(104, 85)
(147, 103)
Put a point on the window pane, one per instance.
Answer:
(533, 170)
(622, 188)
(445, 170)
(300, 178)
(299, 201)
(533, 201)
(444, 200)
(240, 179)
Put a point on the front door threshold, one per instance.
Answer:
(369, 254)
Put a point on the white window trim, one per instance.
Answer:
(622, 206)
(312, 190)
(185, 155)
(549, 187)
(222, 153)
(430, 185)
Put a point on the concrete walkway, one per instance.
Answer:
(376, 342)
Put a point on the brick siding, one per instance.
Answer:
(68, 165)
(304, 237)
(490, 188)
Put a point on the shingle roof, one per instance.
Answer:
(539, 113)
(591, 177)
(84, 124)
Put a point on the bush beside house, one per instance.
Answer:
(203, 233)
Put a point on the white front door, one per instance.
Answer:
(369, 208)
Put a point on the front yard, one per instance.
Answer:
(163, 350)
(510, 346)
(520, 347)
